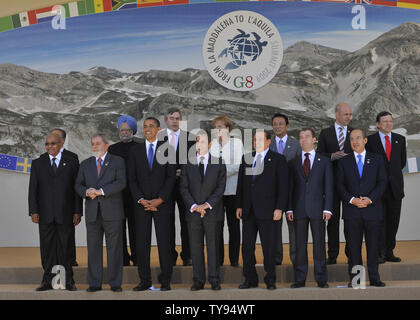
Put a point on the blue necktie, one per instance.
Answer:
(360, 165)
(150, 156)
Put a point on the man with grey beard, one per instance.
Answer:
(127, 126)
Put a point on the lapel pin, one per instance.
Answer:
(64, 164)
(106, 164)
(269, 159)
(319, 159)
(396, 141)
(368, 161)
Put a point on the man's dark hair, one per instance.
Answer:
(63, 133)
(154, 119)
(308, 129)
(360, 129)
(382, 114)
(266, 133)
(171, 111)
(280, 115)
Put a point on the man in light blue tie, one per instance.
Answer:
(361, 181)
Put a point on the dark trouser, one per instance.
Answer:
(54, 241)
(185, 242)
(72, 243)
(268, 235)
(129, 219)
(319, 252)
(234, 231)
(356, 228)
(391, 220)
(113, 239)
(161, 220)
(333, 229)
(198, 229)
(292, 241)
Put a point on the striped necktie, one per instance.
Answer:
(340, 138)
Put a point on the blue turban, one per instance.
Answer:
(132, 122)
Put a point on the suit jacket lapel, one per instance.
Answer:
(314, 165)
(299, 166)
(334, 135)
(366, 165)
(104, 166)
(267, 161)
(61, 165)
(48, 164)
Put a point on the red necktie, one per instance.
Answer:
(98, 166)
(307, 165)
(388, 148)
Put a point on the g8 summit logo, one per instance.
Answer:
(242, 50)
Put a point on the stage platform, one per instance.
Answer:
(21, 273)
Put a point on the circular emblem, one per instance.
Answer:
(242, 50)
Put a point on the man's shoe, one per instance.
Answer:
(197, 286)
(381, 260)
(215, 286)
(332, 260)
(247, 285)
(142, 287)
(71, 287)
(187, 262)
(116, 289)
(165, 288)
(349, 285)
(234, 264)
(74, 264)
(44, 287)
(391, 258)
(323, 285)
(297, 285)
(93, 289)
(271, 286)
(377, 283)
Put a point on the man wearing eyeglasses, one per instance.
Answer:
(55, 207)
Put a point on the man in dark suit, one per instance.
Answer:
(127, 127)
(100, 181)
(392, 147)
(203, 182)
(151, 180)
(62, 134)
(334, 143)
(181, 141)
(311, 191)
(361, 181)
(290, 148)
(55, 206)
(261, 198)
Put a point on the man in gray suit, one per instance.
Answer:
(203, 182)
(100, 181)
(290, 148)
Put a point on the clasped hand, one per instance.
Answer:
(93, 193)
(361, 202)
(151, 205)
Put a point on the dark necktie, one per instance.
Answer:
(307, 165)
(257, 166)
(150, 156)
(201, 168)
(388, 148)
(54, 165)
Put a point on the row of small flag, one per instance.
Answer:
(13, 163)
(85, 7)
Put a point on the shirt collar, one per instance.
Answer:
(169, 131)
(262, 154)
(57, 157)
(312, 153)
(338, 126)
(284, 139)
(149, 143)
(206, 157)
(382, 135)
(102, 158)
(363, 155)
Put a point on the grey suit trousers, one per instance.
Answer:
(113, 238)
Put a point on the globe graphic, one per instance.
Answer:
(243, 50)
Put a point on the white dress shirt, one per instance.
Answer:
(57, 159)
(205, 162)
(231, 154)
(337, 131)
(170, 132)
(382, 136)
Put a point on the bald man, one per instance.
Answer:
(334, 143)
